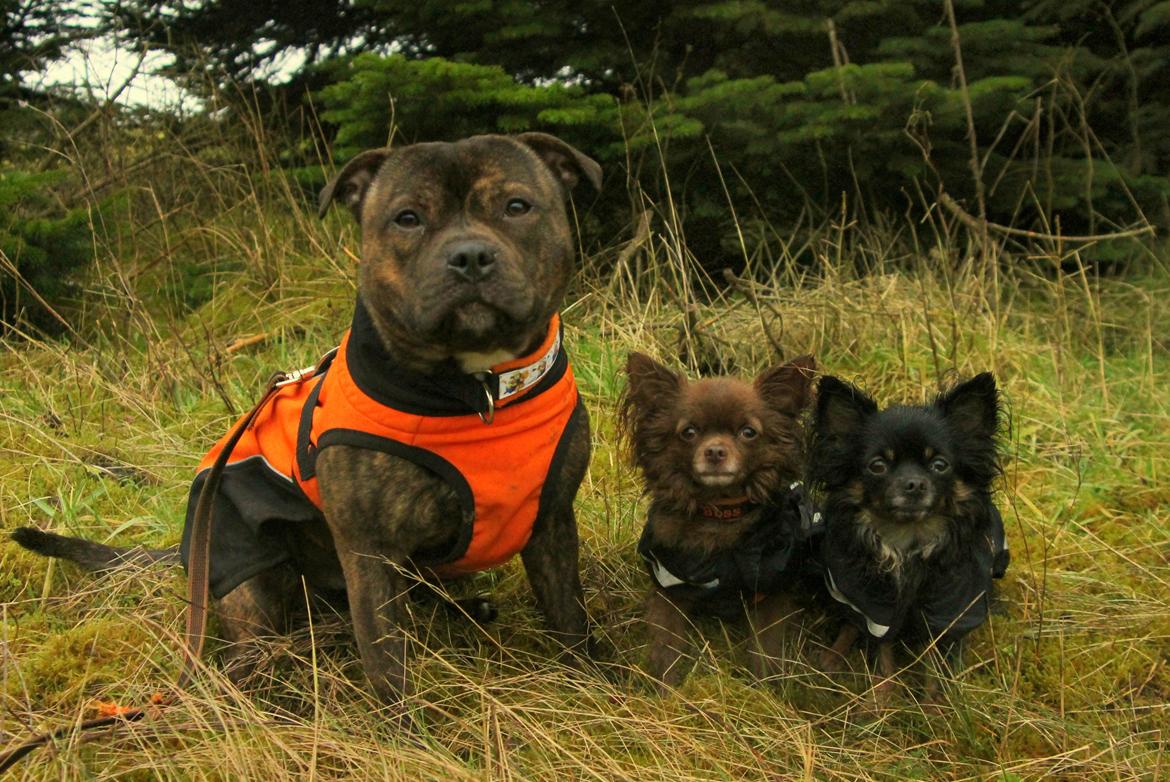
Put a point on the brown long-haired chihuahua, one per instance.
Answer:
(728, 525)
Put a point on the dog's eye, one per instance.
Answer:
(749, 433)
(940, 465)
(877, 466)
(407, 218)
(688, 433)
(516, 207)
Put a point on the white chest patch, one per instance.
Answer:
(482, 362)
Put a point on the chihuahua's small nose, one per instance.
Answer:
(715, 453)
(472, 260)
(914, 485)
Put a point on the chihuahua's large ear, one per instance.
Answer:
(788, 388)
(651, 382)
(353, 181)
(841, 408)
(565, 160)
(972, 407)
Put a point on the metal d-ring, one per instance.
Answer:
(490, 415)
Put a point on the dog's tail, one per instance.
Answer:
(87, 554)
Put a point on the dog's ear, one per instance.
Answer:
(788, 388)
(645, 412)
(566, 161)
(651, 382)
(972, 408)
(841, 408)
(350, 184)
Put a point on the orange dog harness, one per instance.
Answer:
(494, 437)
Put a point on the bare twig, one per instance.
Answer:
(972, 140)
(248, 341)
(748, 290)
(982, 225)
(111, 97)
(840, 59)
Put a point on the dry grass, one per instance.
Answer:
(99, 436)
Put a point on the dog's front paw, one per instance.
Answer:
(764, 666)
(831, 663)
(879, 699)
(833, 660)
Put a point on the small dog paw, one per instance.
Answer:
(932, 708)
(479, 608)
(933, 701)
(879, 699)
(764, 666)
(667, 675)
(832, 664)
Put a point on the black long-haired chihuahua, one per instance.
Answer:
(912, 537)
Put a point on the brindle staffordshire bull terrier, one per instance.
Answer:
(384, 464)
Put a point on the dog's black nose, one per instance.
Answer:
(715, 453)
(472, 260)
(914, 485)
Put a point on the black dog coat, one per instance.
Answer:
(773, 552)
(951, 596)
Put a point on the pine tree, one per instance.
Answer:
(807, 104)
(41, 245)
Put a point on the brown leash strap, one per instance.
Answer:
(198, 570)
(199, 551)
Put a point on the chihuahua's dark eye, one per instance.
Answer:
(940, 465)
(877, 466)
(516, 207)
(749, 433)
(688, 433)
(407, 218)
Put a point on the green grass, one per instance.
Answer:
(99, 436)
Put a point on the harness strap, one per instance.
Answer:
(198, 567)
